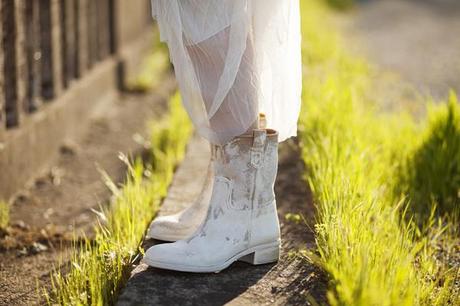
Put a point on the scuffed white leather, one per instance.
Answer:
(241, 219)
(183, 224)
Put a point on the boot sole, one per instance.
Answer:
(166, 237)
(258, 255)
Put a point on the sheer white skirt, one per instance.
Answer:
(234, 59)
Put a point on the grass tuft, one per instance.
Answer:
(432, 173)
(152, 69)
(99, 267)
(341, 4)
(355, 155)
(4, 214)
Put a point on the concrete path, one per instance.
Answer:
(288, 282)
(418, 39)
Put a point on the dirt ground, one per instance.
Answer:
(60, 202)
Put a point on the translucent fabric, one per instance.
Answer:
(234, 59)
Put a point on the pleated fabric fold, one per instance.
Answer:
(234, 59)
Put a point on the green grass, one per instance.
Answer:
(363, 168)
(99, 267)
(152, 69)
(4, 214)
(341, 4)
(431, 177)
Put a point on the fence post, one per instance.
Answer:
(21, 59)
(13, 60)
(112, 26)
(81, 17)
(68, 40)
(33, 53)
(51, 76)
(55, 11)
(103, 28)
(2, 93)
(92, 32)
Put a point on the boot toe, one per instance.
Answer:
(169, 256)
(158, 254)
(165, 228)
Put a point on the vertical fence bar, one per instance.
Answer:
(56, 47)
(47, 81)
(51, 73)
(33, 55)
(2, 87)
(92, 32)
(96, 29)
(21, 57)
(112, 27)
(73, 28)
(9, 60)
(12, 61)
(64, 45)
(103, 28)
(81, 42)
(68, 40)
(89, 19)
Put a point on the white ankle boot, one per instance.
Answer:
(183, 224)
(241, 222)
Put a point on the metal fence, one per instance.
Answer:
(46, 47)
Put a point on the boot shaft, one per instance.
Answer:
(241, 221)
(250, 162)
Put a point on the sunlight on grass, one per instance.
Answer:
(152, 69)
(4, 214)
(99, 267)
(355, 156)
(432, 172)
(341, 4)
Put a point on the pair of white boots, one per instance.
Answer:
(234, 218)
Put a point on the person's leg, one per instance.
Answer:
(222, 94)
(241, 222)
(239, 109)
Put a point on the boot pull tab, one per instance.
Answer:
(262, 121)
(258, 146)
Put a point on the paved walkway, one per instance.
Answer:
(285, 283)
(418, 39)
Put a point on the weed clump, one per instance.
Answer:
(4, 214)
(367, 169)
(432, 172)
(99, 267)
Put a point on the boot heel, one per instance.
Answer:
(263, 256)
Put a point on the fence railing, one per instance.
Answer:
(46, 46)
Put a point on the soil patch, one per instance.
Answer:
(46, 215)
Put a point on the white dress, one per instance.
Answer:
(234, 59)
